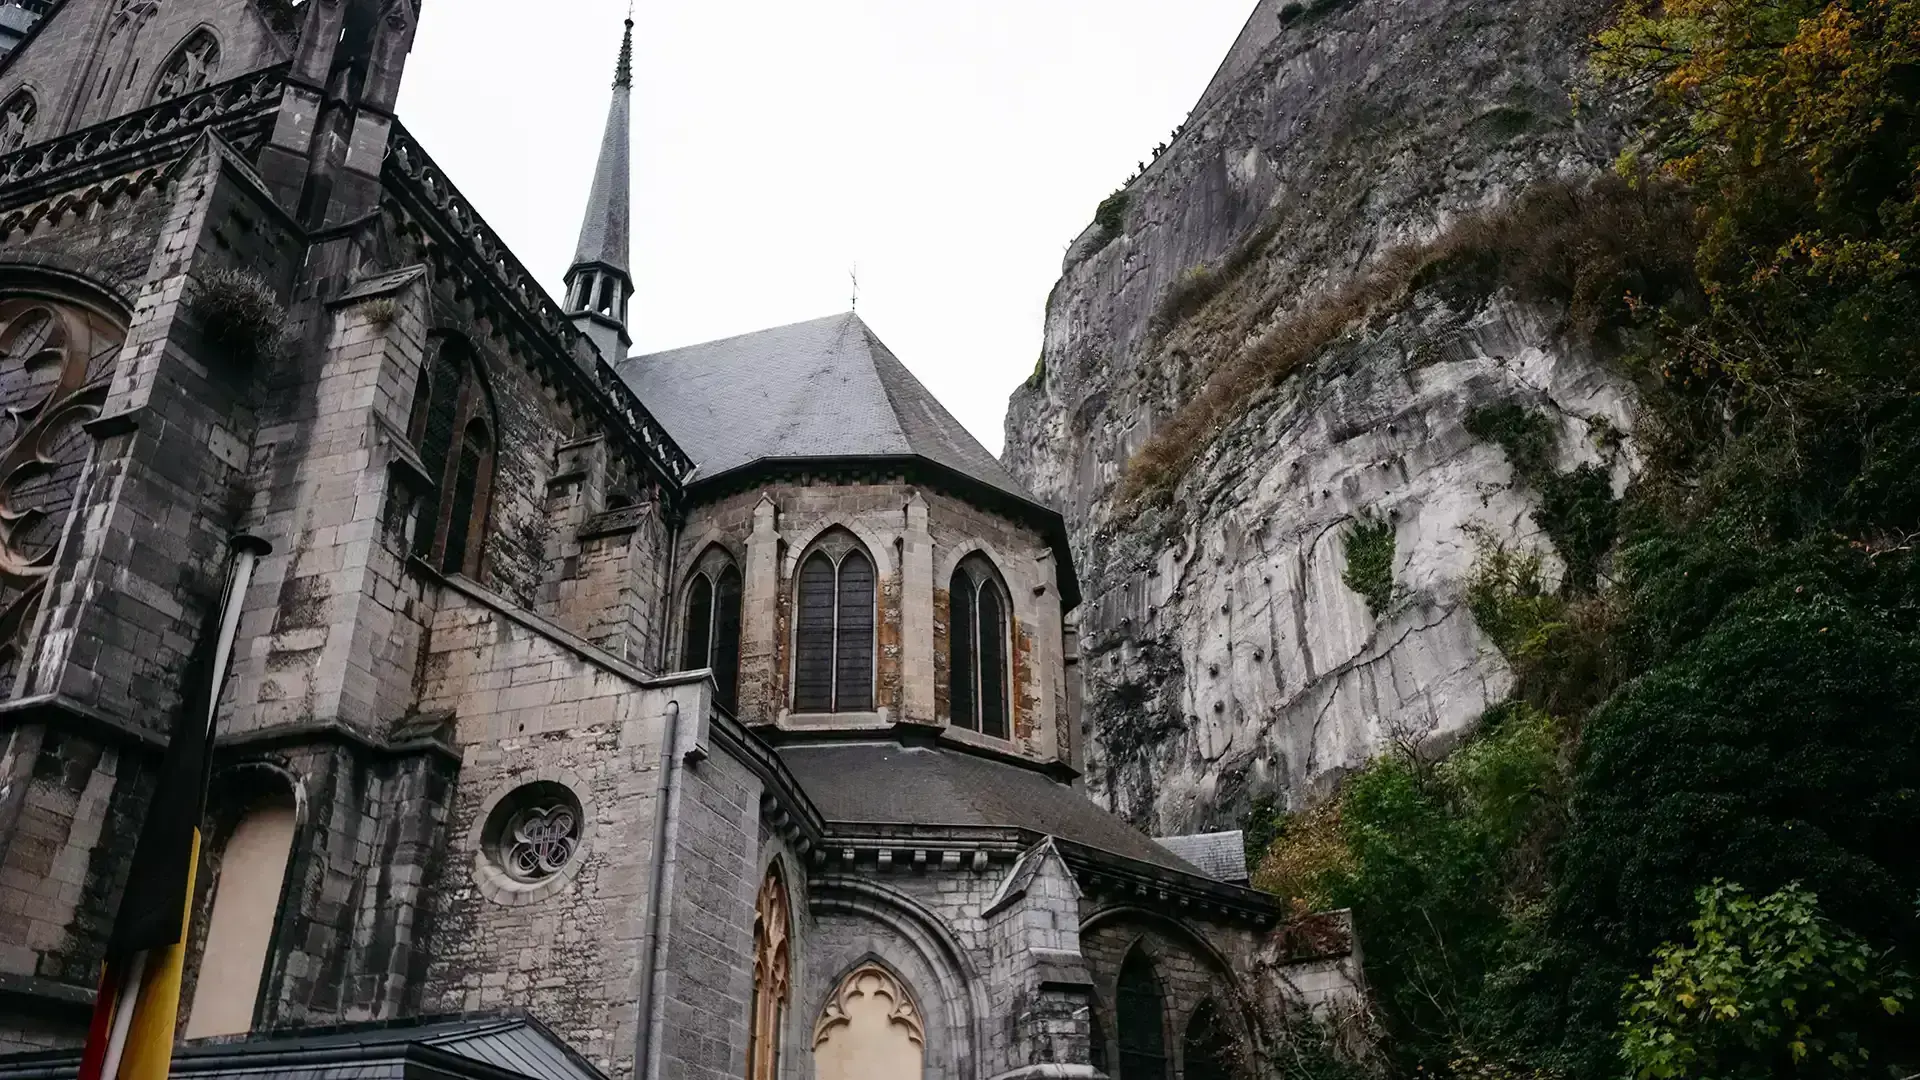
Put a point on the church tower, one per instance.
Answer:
(598, 284)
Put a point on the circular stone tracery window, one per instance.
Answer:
(534, 833)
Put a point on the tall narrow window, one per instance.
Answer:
(468, 516)
(452, 426)
(711, 634)
(977, 649)
(772, 972)
(1207, 1053)
(726, 638)
(17, 117)
(833, 653)
(246, 899)
(1142, 1020)
(699, 643)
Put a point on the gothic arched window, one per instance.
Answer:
(246, 900)
(453, 430)
(17, 118)
(977, 648)
(1142, 1020)
(56, 362)
(833, 628)
(711, 638)
(1207, 1053)
(772, 977)
(193, 66)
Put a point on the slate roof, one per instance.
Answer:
(885, 783)
(823, 389)
(1221, 856)
(483, 1048)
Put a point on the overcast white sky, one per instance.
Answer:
(951, 150)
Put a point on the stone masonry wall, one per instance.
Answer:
(530, 708)
(768, 529)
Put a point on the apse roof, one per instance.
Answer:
(825, 389)
(886, 783)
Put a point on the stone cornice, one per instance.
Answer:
(127, 144)
(477, 253)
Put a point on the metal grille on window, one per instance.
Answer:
(540, 840)
(833, 631)
(977, 652)
(1142, 1021)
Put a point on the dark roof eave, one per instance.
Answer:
(1047, 519)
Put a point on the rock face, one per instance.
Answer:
(1225, 655)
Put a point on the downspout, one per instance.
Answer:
(666, 834)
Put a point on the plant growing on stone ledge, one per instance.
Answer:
(1112, 215)
(382, 312)
(240, 313)
(1370, 552)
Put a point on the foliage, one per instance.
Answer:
(1429, 857)
(1580, 514)
(240, 313)
(1602, 251)
(1111, 217)
(1525, 434)
(1370, 551)
(1765, 988)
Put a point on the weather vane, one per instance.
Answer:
(854, 274)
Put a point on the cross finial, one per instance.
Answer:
(854, 274)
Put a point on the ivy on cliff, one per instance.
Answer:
(1739, 707)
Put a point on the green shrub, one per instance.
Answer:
(1370, 554)
(1525, 434)
(1112, 214)
(1579, 513)
(1764, 988)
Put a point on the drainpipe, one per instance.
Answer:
(666, 834)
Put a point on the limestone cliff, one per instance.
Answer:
(1226, 657)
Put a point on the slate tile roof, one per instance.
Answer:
(828, 388)
(482, 1048)
(885, 783)
(1221, 856)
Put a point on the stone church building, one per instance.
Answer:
(703, 714)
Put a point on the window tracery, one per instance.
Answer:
(869, 1029)
(711, 635)
(539, 840)
(56, 361)
(772, 978)
(979, 648)
(193, 66)
(17, 118)
(834, 628)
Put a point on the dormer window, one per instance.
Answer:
(978, 652)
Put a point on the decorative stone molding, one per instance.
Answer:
(870, 981)
(136, 139)
(491, 875)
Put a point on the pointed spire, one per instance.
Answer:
(599, 285)
(623, 73)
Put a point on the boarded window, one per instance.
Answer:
(870, 1030)
(813, 635)
(1142, 1021)
(960, 652)
(726, 638)
(699, 643)
(833, 653)
(977, 649)
(240, 932)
